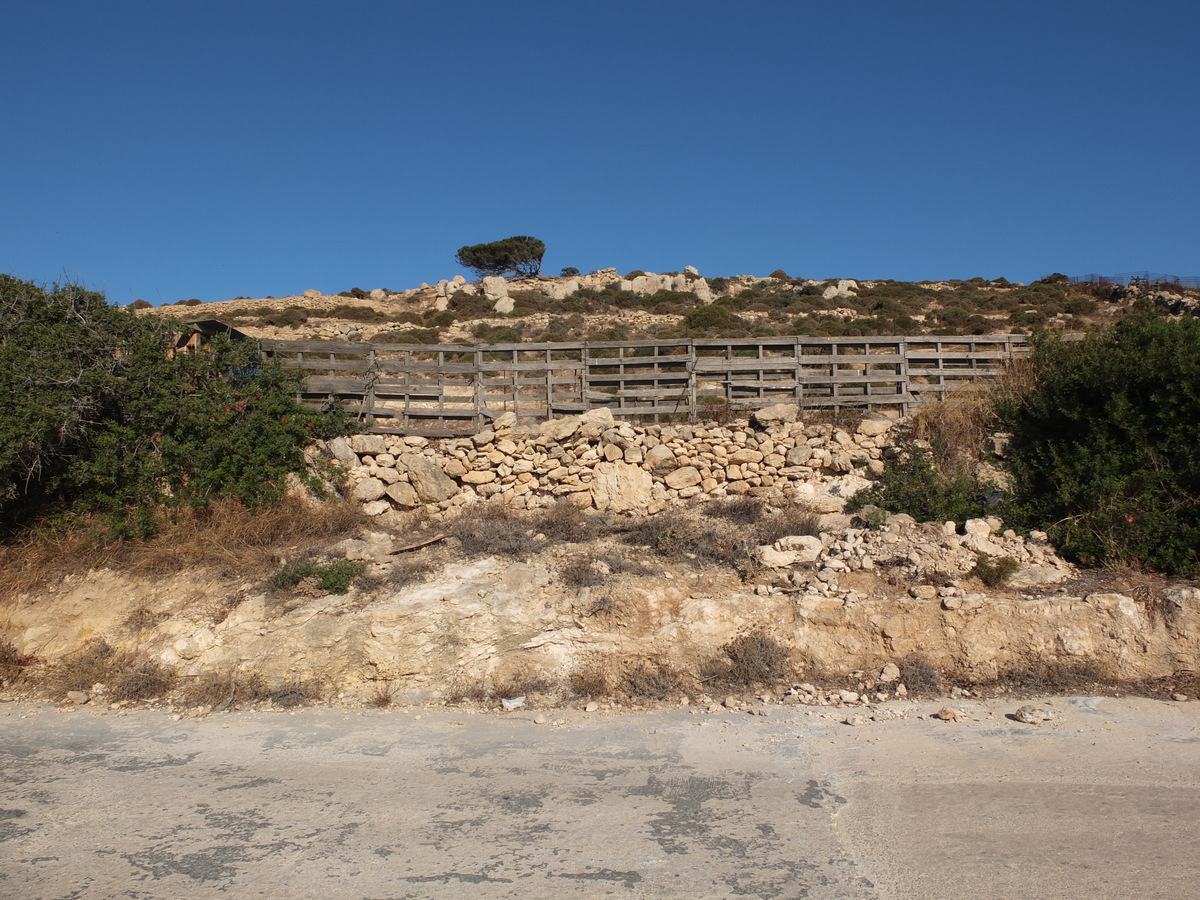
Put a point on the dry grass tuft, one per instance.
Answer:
(635, 677)
(795, 519)
(224, 535)
(13, 666)
(126, 676)
(752, 659)
(957, 427)
(919, 676)
(738, 510)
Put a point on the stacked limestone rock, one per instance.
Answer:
(932, 557)
(594, 461)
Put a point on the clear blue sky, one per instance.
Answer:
(167, 150)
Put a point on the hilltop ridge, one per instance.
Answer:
(606, 305)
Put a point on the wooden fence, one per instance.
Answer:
(454, 389)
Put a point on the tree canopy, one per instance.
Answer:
(520, 254)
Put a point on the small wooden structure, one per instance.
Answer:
(198, 334)
(456, 389)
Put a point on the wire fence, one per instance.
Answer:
(1143, 278)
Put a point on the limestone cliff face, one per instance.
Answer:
(481, 622)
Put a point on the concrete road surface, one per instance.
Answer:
(1102, 802)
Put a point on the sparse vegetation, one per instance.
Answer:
(751, 659)
(994, 572)
(333, 577)
(125, 676)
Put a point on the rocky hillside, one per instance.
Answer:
(605, 305)
(577, 562)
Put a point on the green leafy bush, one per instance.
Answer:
(1104, 452)
(993, 572)
(99, 413)
(333, 577)
(913, 485)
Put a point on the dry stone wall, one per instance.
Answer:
(594, 461)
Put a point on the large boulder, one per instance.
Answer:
(873, 426)
(427, 478)
(368, 443)
(495, 287)
(560, 429)
(339, 448)
(660, 458)
(403, 495)
(683, 478)
(368, 489)
(785, 413)
(621, 487)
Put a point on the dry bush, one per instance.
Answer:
(607, 606)
(757, 657)
(957, 426)
(795, 519)
(13, 666)
(224, 535)
(126, 676)
(563, 522)
(593, 677)
(919, 676)
(493, 529)
(519, 682)
(652, 678)
(382, 693)
(681, 535)
(223, 689)
(294, 692)
(587, 570)
(738, 510)
(1038, 675)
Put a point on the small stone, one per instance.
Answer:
(1034, 715)
(731, 703)
(592, 706)
(539, 720)
(854, 721)
(1179, 698)
(890, 673)
(949, 714)
(79, 698)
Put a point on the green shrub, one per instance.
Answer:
(98, 415)
(913, 485)
(568, 272)
(1104, 453)
(993, 572)
(333, 577)
(713, 316)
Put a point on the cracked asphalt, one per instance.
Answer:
(1102, 802)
